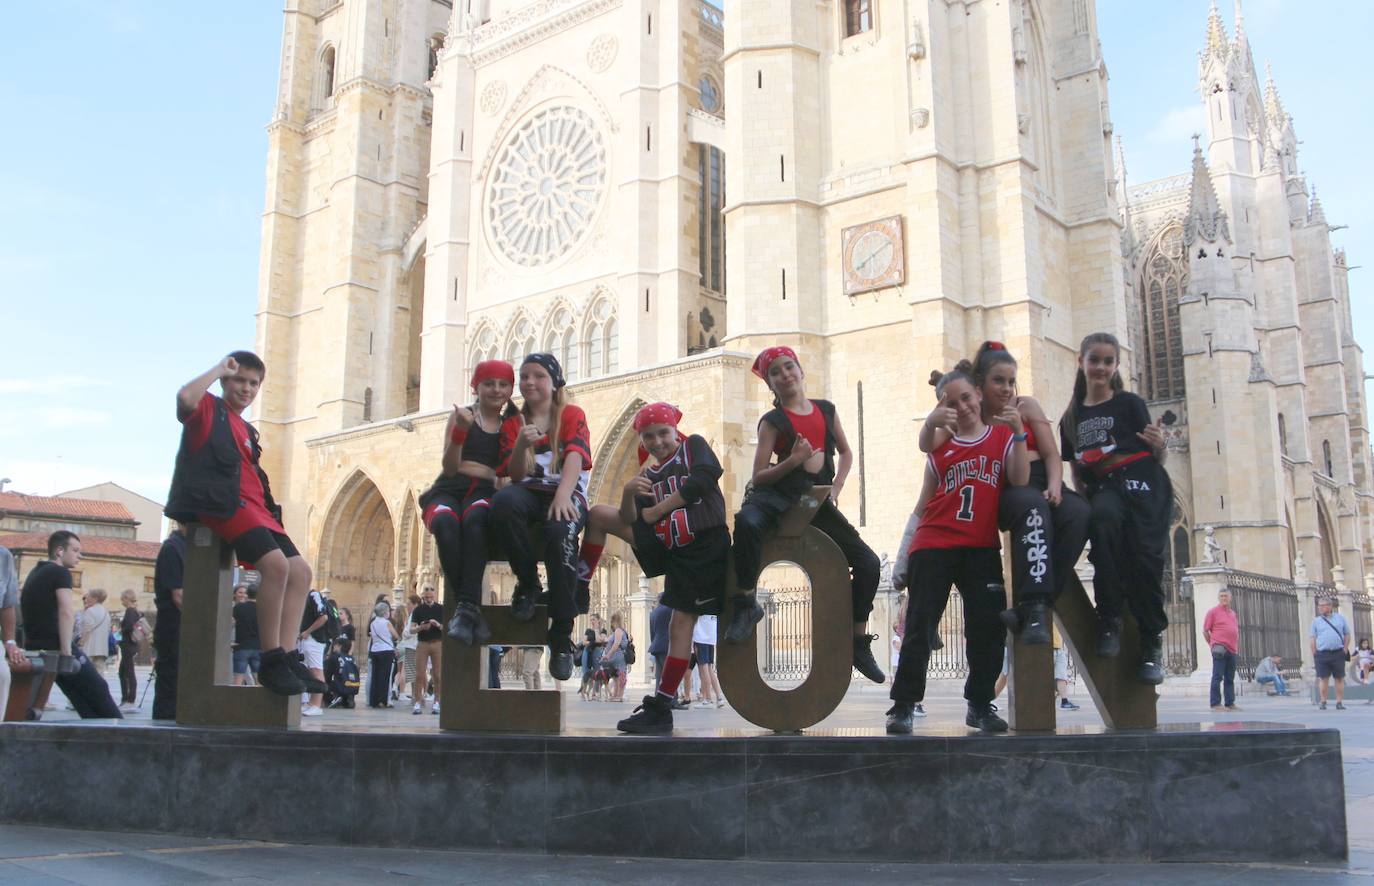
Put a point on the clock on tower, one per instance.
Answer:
(873, 255)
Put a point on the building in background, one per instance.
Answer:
(146, 512)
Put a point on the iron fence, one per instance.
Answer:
(1361, 616)
(1267, 611)
(1180, 638)
(787, 634)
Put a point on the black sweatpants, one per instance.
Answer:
(128, 678)
(167, 643)
(1045, 541)
(382, 668)
(514, 511)
(760, 512)
(88, 692)
(459, 528)
(1131, 510)
(977, 573)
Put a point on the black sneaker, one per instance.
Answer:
(680, 705)
(1066, 705)
(275, 675)
(919, 710)
(1340, 706)
(560, 657)
(468, 626)
(1151, 663)
(653, 717)
(522, 604)
(1035, 618)
(296, 661)
(747, 613)
(1011, 619)
(900, 718)
(1108, 636)
(984, 717)
(584, 596)
(864, 662)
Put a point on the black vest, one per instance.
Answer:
(799, 481)
(206, 482)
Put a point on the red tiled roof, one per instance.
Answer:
(71, 508)
(91, 545)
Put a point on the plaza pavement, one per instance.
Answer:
(44, 855)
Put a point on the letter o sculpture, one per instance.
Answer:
(832, 620)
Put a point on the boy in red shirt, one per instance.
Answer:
(218, 482)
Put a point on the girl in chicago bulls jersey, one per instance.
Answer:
(1048, 524)
(956, 543)
(804, 436)
(1118, 464)
(547, 454)
(677, 514)
(456, 507)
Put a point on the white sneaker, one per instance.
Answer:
(720, 703)
(417, 709)
(918, 711)
(311, 710)
(128, 706)
(434, 708)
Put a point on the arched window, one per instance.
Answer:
(603, 340)
(1326, 458)
(858, 17)
(710, 225)
(1165, 278)
(483, 347)
(1180, 554)
(521, 341)
(327, 72)
(561, 341)
(1283, 435)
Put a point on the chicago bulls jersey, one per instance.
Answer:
(694, 470)
(963, 511)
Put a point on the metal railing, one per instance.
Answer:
(1180, 638)
(1360, 618)
(1267, 610)
(787, 634)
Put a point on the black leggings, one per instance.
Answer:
(381, 666)
(760, 512)
(1045, 541)
(977, 573)
(1131, 510)
(514, 511)
(460, 535)
(128, 679)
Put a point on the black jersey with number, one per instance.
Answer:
(695, 472)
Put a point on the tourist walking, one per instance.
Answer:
(1330, 639)
(129, 643)
(427, 624)
(704, 644)
(1221, 630)
(381, 656)
(247, 645)
(613, 660)
(95, 627)
(310, 644)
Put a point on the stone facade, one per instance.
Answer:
(1241, 312)
(448, 184)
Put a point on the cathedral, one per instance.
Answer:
(654, 190)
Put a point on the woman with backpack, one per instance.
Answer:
(132, 630)
(613, 660)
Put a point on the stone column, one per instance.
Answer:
(642, 602)
(1308, 594)
(764, 596)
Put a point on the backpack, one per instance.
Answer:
(630, 655)
(348, 675)
(332, 628)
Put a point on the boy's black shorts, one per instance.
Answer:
(258, 542)
(694, 575)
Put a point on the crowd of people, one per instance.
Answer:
(516, 477)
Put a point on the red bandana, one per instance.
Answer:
(657, 414)
(766, 358)
(492, 369)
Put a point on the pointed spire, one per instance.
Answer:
(1121, 169)
(1241, 40)
(1273, 105)
(1315, 214)
(1205, 216)
(1217, 43)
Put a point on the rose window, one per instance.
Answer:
(547, 185)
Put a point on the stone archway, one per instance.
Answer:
(615, 462)
(357, 547)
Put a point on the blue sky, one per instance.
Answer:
(133, 176)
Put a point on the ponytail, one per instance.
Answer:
(990, 354)
(1080, 381)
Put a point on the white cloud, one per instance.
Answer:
(1178, 125)
(65, 417)
(51, 476)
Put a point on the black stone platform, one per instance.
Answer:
(1233, 792)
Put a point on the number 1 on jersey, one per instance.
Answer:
(965, 504)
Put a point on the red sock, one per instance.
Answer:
(587, 558)
(673, 669)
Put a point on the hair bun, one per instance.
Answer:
(935, 376)
(964, 366)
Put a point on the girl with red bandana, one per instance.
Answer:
(547, 454)
(456, 507)
(676, 512)
(798, 442)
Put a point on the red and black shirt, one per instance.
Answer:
(963, 511)
(573, 436)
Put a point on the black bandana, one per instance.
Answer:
(550, 364)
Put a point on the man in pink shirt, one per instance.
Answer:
(1221, 630)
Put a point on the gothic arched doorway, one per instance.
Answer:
(357, 547)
